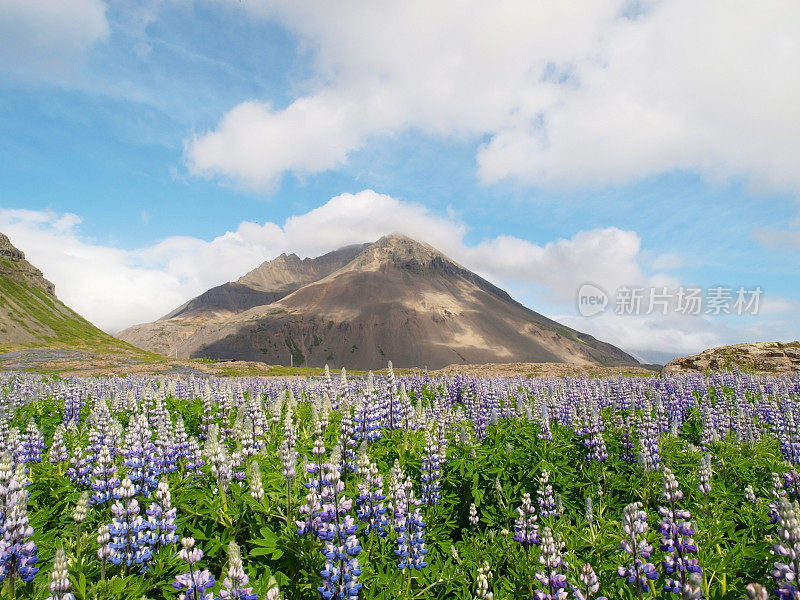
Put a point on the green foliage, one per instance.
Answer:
(734, 537)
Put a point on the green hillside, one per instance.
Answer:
(30, 316)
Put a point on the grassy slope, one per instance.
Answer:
(35, 310)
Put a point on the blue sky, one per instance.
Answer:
(138, 137)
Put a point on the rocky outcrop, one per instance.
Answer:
(14, 266)
(757, 357)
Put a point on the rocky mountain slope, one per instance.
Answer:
(361, 306)
(760, 357)
(31, 314)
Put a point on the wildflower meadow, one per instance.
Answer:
(385, 486)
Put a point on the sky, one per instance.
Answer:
(151, 150)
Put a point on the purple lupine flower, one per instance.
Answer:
(551, 578)
(628, 445)
(194, 457)
(218, 458)
(72, 407)
(311, 509)
(635, 543)
(676, 538)
(593, 435)
(289, 433)
(58, 449)
(336, 528)
(589, 584)
(545, 497)
(129, 531)
(791, 483)
(32, 444)
(194, 584)
(430, 470)
(106, 482)
(371, 509)
(649, 458)
(777, 493)
(544, 425)
(410, 528)
(138, 451)
(105, 552)
(81, 467)
(181, 439)
(167, 453)
(786, 573)
(526, 531)
(18, 552)
(59, 578)
(347, 440)
(416, 527)
(161, 517)
(234, 586)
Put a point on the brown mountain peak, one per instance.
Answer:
(359, 306)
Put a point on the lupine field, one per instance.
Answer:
(385, 487)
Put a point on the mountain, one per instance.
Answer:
(755, 357)
(360, 306)
(266, 284)
(31, 314)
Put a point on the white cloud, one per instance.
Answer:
(116, 288)
(49, 37)
(567, 93)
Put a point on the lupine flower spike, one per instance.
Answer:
(484, 576)
(234, 586)
(526, 531)
(638, 571)
(676, 539)
(273, 593)
(589, 585)
(786, 573)
(194, 584)
(473, 515)
(551, 577)
(59, 579)
(756, 591)
(104, 552)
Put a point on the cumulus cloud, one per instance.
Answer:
(563, 93)
(49, 37)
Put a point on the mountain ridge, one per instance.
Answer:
(362, 305)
